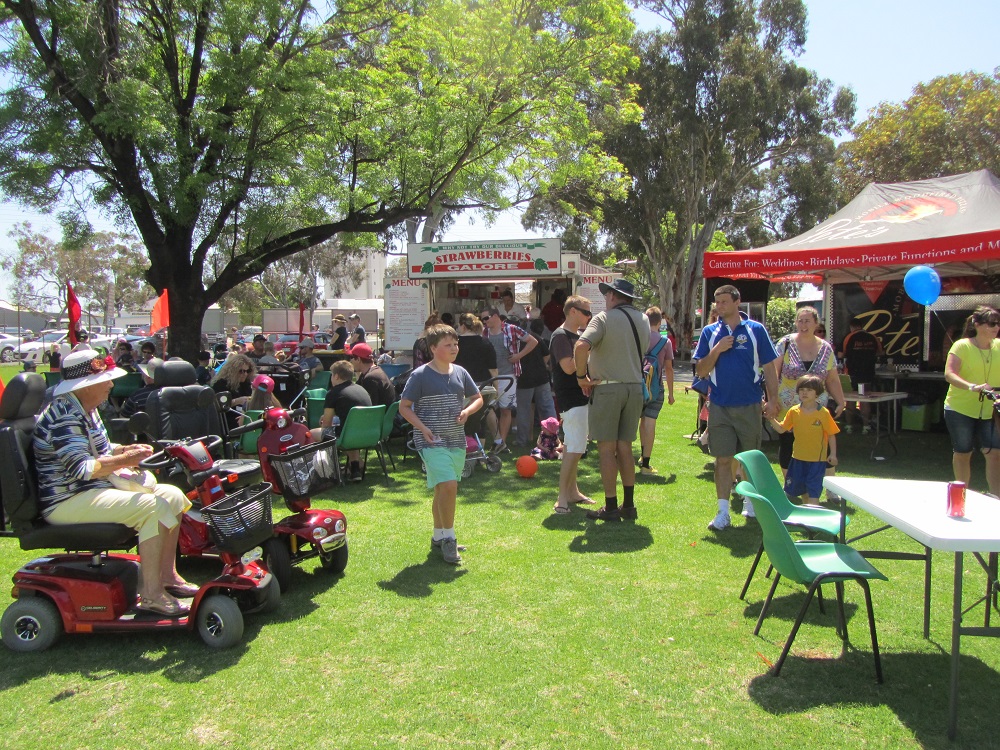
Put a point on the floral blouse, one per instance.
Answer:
(793, 368)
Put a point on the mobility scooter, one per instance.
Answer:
(89, 589)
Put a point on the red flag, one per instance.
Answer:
(1, 389)
(161, 314)
(73, 308)
(302, 318)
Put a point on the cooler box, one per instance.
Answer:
(920, 417)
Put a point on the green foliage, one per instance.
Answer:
(97, 264)
(235, 134)
(948, 126)
(780, 316)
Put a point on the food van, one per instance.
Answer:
(459, 277)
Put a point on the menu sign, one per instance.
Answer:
(589, 288)
(407, 305)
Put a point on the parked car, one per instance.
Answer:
(40, 350)
(8, 345)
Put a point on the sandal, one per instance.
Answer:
(561, 509)
(166, 607)
(583, 500)
(182, 590)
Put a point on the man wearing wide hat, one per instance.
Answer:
(609, 367)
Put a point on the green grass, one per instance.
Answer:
(556, 633)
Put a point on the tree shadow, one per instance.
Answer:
(655, 478)
(416, 581)
(916, 689)
(600, 536)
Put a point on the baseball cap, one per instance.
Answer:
(260, 337)
(354, 316)
(362, 351)
(307, 344)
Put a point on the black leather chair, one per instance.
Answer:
(19, 408)
(183, 409)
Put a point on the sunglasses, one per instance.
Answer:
(588, 313)
(991, 322)
(485, 318)
(244, 372)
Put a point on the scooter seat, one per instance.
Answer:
(246, 469)
(77, 537)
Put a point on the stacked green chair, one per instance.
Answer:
(362, 430)
(52, 378)
(808, 519)
(812, 564)
(320, 380)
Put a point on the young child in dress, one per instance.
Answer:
(549, 447)
(815, 444)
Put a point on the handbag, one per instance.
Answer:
(701, 385)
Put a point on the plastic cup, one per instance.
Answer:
(956, 499)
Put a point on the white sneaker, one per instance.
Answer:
(720, 522)
(748, 509)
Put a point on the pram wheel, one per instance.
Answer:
(492, 463)
(470, 464)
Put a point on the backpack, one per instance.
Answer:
(652, 373)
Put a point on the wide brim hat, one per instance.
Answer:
(148, 368)
(85, 368)
(550, 424)
(619, 285)
(339, 319)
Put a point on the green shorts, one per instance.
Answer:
(615, 411)
(443, 464)
(732, 429)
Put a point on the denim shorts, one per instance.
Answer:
(965, 431)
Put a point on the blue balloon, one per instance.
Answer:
(923, 285)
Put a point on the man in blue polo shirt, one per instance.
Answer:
(735, 354)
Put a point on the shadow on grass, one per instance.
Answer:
(916, 689)
(787, 608)
(742, 541)
(655, 478)
(416, 581)
(600, 536)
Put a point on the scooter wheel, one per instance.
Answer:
(220, 622)
(30, 624)
(278, 561)
(493, 464)
(336, 561)
(273, 599)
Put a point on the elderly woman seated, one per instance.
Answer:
(75, 460)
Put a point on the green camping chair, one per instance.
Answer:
(362, 430)
(320, 380)
(315, 404)
(807, 519)
(52, 378)
(248, 440)
(811, 564)
(388, 422)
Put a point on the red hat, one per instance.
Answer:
(362, 351)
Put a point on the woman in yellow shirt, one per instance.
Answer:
(973, 366)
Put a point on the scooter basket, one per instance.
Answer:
(307, 470)
(242, 520)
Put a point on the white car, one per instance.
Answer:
(8, 345)
(40, 350)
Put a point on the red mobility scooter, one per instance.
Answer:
(90, 590)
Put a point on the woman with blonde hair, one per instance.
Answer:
(234, 378)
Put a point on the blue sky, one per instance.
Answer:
(880, 48)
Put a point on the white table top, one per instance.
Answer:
(874, 397)
(918, 510)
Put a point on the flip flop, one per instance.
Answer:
(167, 608)
(561, 510)
(582, 501)
(182, 590)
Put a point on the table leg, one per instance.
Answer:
(956, 640)
(927, 593)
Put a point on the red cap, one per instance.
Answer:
(362, 351)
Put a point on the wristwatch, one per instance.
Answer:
(581, 377)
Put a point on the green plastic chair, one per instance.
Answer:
(125, 386)
(315, 404)
(807, 519)
(320, 380)
(388, 422)
(248, 440)
(362, 430)
(812, 564)
(52, 378)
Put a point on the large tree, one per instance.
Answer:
(730, 121)
(232, 135)
(948, 126)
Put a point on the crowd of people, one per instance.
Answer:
(571, 376)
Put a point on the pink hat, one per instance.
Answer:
(263, 383)
(550, 425)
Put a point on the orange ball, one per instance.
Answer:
(527, 466)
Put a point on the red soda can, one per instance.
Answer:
(956, 499)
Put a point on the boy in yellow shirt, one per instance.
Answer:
(815, 444)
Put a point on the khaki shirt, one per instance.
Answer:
(614, 354)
